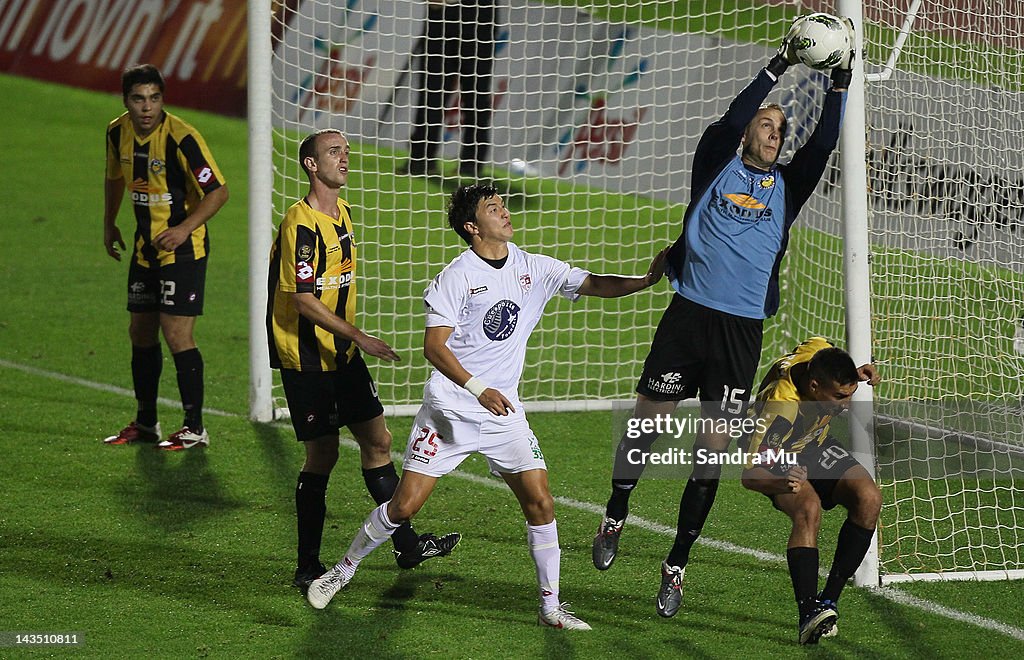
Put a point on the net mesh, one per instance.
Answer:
(595, 110)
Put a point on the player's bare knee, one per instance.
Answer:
(376, 447)
(321, 455)
(807, 517)
(539, 509)
(402, 509)
(869, 506)
(143, 330)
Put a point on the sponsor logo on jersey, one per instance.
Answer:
(525, 282)
(475, 290)
(203, 174)
(141, 195)
(746, 201)
(151, 199)
(156, 166)
(337, 276)
(303, 272)
(329, 282)
(740, 206)
(500, 320)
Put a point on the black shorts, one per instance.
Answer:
(321, 402)
(172, 289)
(825, 465)
(701, 351)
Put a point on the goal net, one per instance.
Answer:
(595, 109)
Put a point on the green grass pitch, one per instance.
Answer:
(190, 555)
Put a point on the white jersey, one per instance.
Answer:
(492, 312)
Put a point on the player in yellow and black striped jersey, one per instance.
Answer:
(794, 461)
(314, 341)
(175, 187)
(298, 264)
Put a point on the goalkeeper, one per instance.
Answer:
(724, 268)
(798, 398)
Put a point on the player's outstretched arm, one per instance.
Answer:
(615, 286)
(436, 350)
(309, 306)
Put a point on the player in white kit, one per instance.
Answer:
(481, 310)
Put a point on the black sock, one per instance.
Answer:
(310, 511)
(147, 363)
(190, 385)
(381, 483)
(694, 507)
(618, 504)
(851, 547)
(626, 473)
(803, 571)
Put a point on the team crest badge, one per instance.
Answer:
(766, 182)
(526, 282)
(156, 166)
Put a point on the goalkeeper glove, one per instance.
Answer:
(786, 55)
(842, 75)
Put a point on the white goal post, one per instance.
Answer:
(910, 252)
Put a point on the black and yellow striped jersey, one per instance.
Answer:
(313, 253)
(789, 423)
(166, 174)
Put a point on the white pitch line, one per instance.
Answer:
(102, 387)
(890, 593)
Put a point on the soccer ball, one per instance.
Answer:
(820, 41)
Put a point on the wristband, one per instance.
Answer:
(475, 387)
(777, 66)
(841, 78)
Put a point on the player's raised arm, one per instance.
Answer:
(615, 286)
(435, 349)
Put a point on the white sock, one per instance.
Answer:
(376, 529)
(547, 556)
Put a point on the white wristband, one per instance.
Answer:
(475, 387)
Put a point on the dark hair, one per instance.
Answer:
(140, 74)
(833, 365)
(307, 148)
(462, 207)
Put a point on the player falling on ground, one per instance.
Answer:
(724, 268)
(797, 399)
(481, 310)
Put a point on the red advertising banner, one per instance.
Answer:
(199, 45)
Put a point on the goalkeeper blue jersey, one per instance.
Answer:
(736, 226)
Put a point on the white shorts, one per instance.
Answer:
(442, 439)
